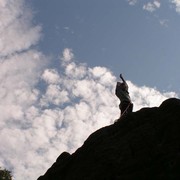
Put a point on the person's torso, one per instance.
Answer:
(124, 95)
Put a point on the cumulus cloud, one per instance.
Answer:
(51, 76)
(152, 6)
(16, 27)
(67, 55)
(177, 5)
(20, 68)
(45, 111)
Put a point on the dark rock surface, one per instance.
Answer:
(142, 145)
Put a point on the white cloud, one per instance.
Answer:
(20, 69)
(177, 5)
(157, 4)
(147, 97)
(54, 95)
(164, 22)
(132, 2)
(67, 55)
(51, 76)
(72, 70)
(45, 111)
(19, 73)
(16, 27)
(152, 6)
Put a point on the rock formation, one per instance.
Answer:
(141, 145)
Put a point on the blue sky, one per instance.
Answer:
(59, 64)
(141, 43)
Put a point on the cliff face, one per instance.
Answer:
(142, 145)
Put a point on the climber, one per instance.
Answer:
(122, 93)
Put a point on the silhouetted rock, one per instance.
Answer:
(142, 145)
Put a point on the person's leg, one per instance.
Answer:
(130, 108)
(123, 107)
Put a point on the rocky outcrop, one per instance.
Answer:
(141, 145)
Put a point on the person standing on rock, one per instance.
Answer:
(125, 106)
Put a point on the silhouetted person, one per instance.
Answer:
(122, 93)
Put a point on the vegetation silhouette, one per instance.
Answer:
(5, 174)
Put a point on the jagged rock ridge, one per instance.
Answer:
(142, 145)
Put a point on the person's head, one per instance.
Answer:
(123, 86)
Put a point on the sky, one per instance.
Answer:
(59, 64)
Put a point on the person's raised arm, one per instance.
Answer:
(126, 85)
(122, 79)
